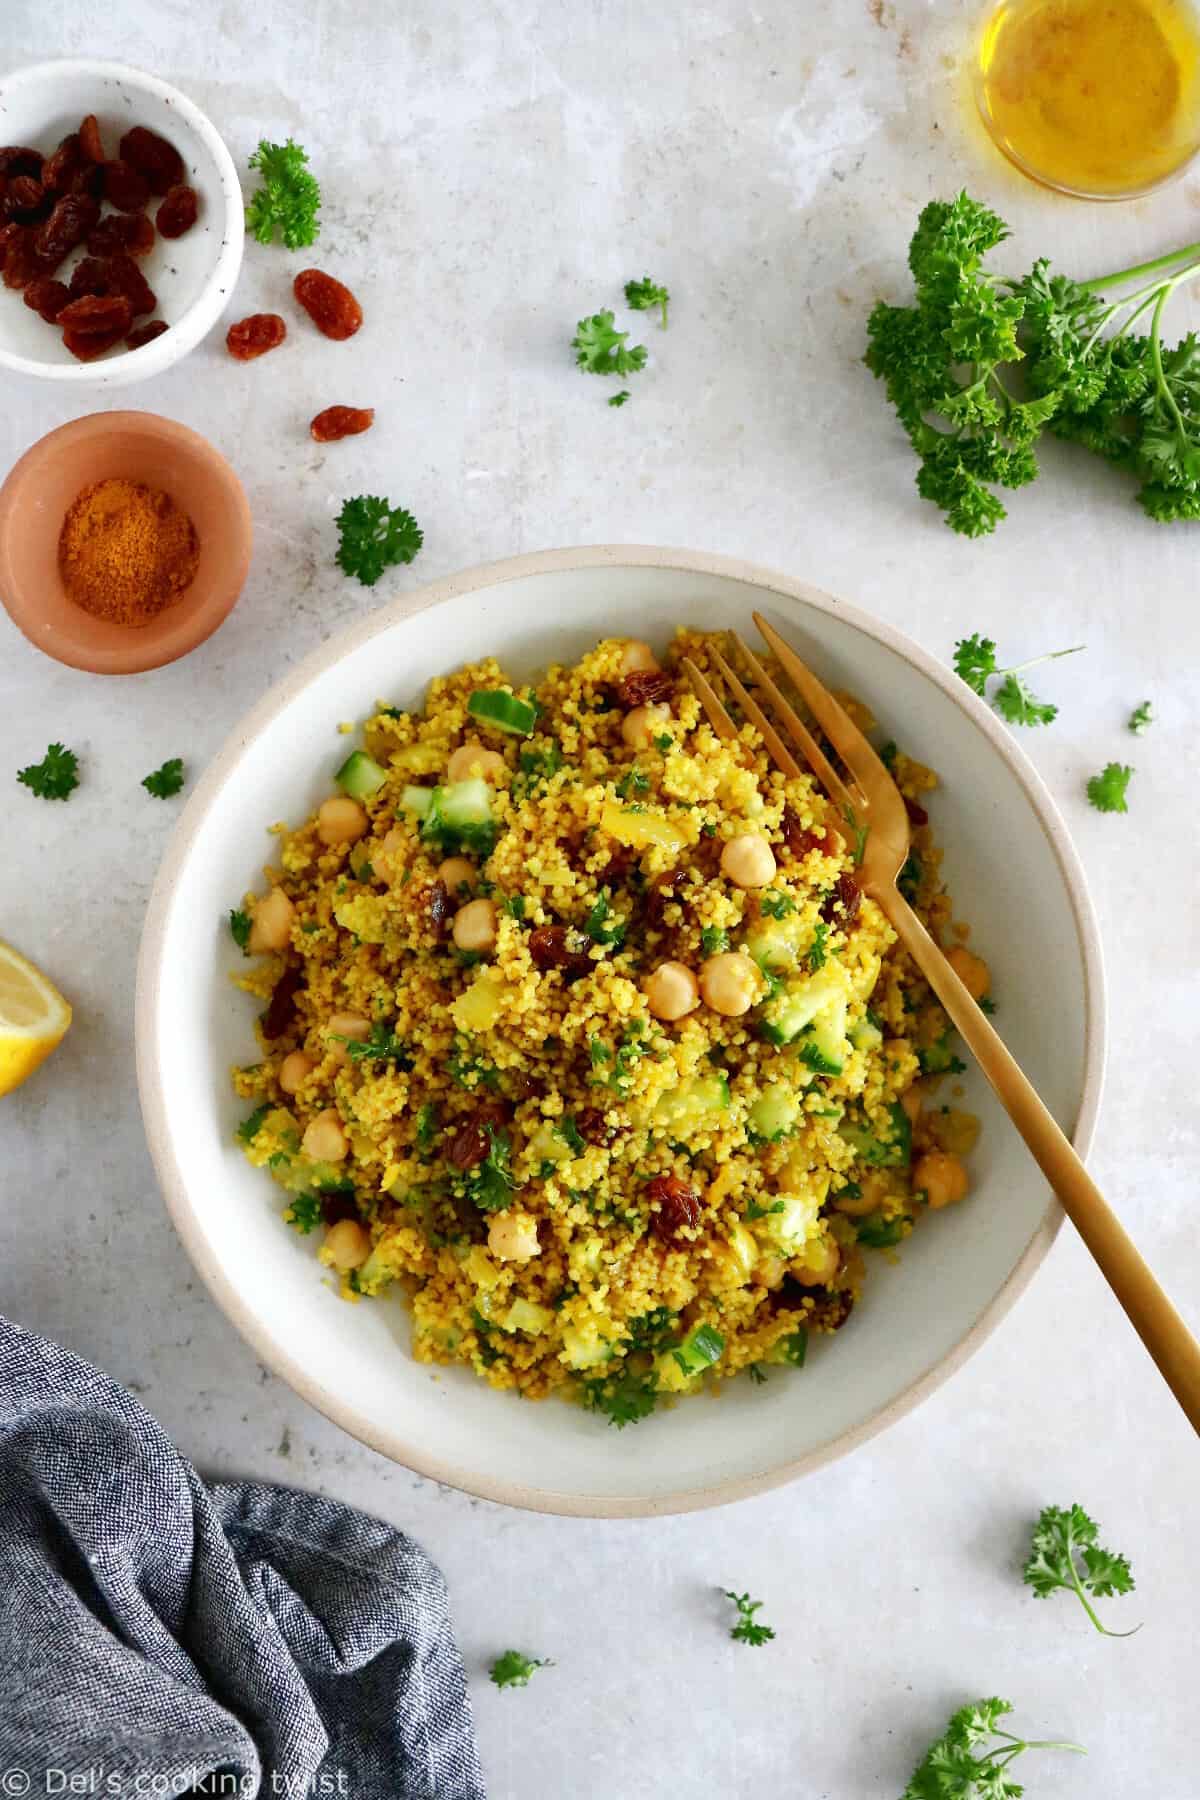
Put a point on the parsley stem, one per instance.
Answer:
(1087, 1605)
(1048, 656)
(1099, 282)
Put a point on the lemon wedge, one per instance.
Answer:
(33, 1018)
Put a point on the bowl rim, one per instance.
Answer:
(170, 347)
(393, 1444)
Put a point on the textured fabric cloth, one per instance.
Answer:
(158, 1637)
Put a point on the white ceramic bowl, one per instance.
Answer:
(193, 276)
(1013, 875)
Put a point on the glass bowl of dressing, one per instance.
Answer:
(1096, 98)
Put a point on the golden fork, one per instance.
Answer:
(874, 810)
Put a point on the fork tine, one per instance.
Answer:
(754, 712)
(829, 713)
(718, 718)
(839, 791)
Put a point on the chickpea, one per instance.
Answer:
(769, 1270)
(640, 727)
(324, 1140)
(271, 925)
(910, 1100)
(820, 1265)
(295, 1070)
(636, 656)
(341, 821)
(346, 1246)
(671, 991)
(392, 848)
(513, 1237)
(748, 861)
(345, 1025)
(729, 983)
(472, 759)
(457, 873)
(971, 970)
(940, 1177)
(475, 925)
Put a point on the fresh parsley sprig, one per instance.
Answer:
(164, 783)
(514, 1669)
(956, 1765)
(55, 778)
(288, 199)
(1141, 718)
(645, 295)
(600, 348)
(975, 661)
(747, 1630)
(1066, 1553)
(1107, 790)
(373, 535)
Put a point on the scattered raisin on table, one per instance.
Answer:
(341, 421)
(70, 222)
(125, 188)
(145, 334)
(18, 159)
(644, 687)
(131, 232)
(97, 313)
(153, 157)
(86, 346)
(90, 141)
(281, 1008)
(59, 168)
(678, 1205)
(255, 336)
(47, 297)
(177, 213)
(26, 200)
(331, 307)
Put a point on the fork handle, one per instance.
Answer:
(1147, 1307)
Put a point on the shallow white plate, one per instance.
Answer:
(1013, 875)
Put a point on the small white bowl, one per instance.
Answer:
(1012, 873)
(192, 276)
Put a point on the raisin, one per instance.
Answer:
(915, 811)
(47, 297)
(644, 687)
(17, 159)
(281, 1008)
(92, 276)
(57, 170)
(331, 307)
(552, 947)
(678, 1206)
(125, 188)
(89, 140)
(840, 907)
(335, 1207)
(666, 887)
(469, 1145)
(89, 179)
(255, 336)
(68, 225)
(26, 200)
(616, 869)
(799, 838)
(439, 906)
(152, 157)
(593, 1127)
(145, 334)
(20, 264)
(131, 232)
(126, 278)
(177, 213)
(96, 313)
(341, 421)
(88, 345)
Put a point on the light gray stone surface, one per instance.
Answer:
(491, 173)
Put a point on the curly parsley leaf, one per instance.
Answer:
(957, 1766)
(239, 927)
(249, 1128)
(645, 295)
(1065, 1552)
(600, 348)
(619, 399)
(1140, 718)
(381, 1045)
(1107, 790)
(289, 198)
(1014, 702)
(165, 782)
(817, 954)
(373, 535)
(55, 777)
(713, 939)
(514, 1670)
(304, 1213)
(490, 1184)
(623, 1398)
(975, 660)
(747, 1630)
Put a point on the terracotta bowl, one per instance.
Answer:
(136, 446)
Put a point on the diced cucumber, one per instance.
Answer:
(360, 776)
(772, 945)
(418, 800)
(690, 1103)
(879, 1233)
(504, 711)
(790, 1228)
(464, 804)
(700, 1349)
(774, 1113)
(824, 1047)
(785, 1015)
(864, 1034)
(887, 1149)
(792, 1349)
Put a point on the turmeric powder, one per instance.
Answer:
(126, 551)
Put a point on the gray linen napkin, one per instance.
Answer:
(158, 1637)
